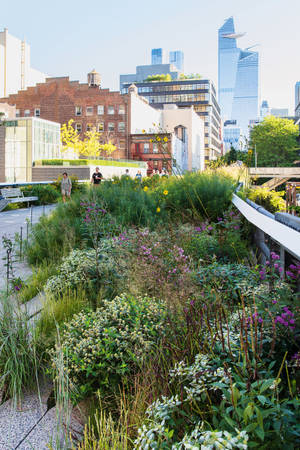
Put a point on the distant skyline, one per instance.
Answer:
(70, 38)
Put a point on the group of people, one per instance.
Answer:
(66, 183)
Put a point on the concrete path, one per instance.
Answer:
(10, 224)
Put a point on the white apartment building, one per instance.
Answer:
(16, 72)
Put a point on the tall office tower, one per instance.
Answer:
(157, 56)
(16, 72)
(297, 94)
(264, 110)
(177, 59)
(238, 78)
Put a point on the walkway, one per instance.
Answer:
(10, 224)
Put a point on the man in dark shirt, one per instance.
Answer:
(96, 177)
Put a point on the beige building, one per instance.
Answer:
(7, 111)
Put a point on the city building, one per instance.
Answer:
(184, 129)
(59, 100)
(16, 72)
(7, 111)
(231, 135)
(157, 56)
(200, 94)
(238, 78)
(24, 141)
(264, 110)
(158, 67)
(279, 112)
(297, 94)
(177, 59)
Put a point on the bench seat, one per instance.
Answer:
(15, 195)
(21, 199)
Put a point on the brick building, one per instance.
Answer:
(59, 100)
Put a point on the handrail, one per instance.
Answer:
(285, 235)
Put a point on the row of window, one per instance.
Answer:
(173, 87)
(176, 98)
(145, 148)
(110, 109)
(27, 112)
(101, 126)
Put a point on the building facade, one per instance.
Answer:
(231, 135)
(177, 59)
(16, 72)
(264, 110)
(200, 94)
(59, 100)
(157, 56)
(25, 141)
(297, 94)
(238, 78)
(279, 112)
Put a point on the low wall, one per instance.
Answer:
(291, 172)
(49, 173)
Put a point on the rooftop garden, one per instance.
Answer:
(159, 318)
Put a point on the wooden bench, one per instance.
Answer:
(15, 195)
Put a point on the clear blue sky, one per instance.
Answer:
(73, 37)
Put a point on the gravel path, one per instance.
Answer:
(10, 224)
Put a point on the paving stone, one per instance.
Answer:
(16, 423)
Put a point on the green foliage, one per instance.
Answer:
(271, 200)
(88, 162)
(103, 346)
(36, 282)
(46, 193)
(276, 142)
(194, 195)
(190, 76)
(159, 77)
(18, 362)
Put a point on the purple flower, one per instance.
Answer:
(192, 302)
(280, 270)
(209, 228)
(276, 265)
(260, 320)
(17, 288)
(236, 227)
(267, 263)
(292, 321)
(274, 302)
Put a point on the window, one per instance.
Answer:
(100, 110)
(89, 127)
(146, 147)
(78, 127)
(121, 127)
(111, 126)
(17, 113)
(89, 110)
(111, 110)
(122, 109)
(100, 127)
(155, 148)
(122, 143)
(78, 110)
(37, 112)
(27, 112)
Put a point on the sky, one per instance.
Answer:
(70, 38)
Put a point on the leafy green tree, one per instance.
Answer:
(276, 142)
(159, 77)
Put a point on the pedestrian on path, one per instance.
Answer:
(139, 176)
(96, 177)
(66, 186)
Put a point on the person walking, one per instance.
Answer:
(96, 177)
(66, 186)
(139, 176)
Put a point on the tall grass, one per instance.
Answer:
(36, 282)
(18, 357)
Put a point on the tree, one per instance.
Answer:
(275, 140)
(70, 138)
(90, 147)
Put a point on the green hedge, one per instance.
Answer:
(86, 162)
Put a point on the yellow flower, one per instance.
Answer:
(165, 192)
(143, 131)
(158, 209)
(166, 139)
(146, 188)
(151, 140)
(158, 138)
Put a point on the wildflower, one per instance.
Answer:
(158, 139)
(151, 140)
(274, 302)
(165, 192)
(146, 188)
(158, 209)
(165, 139)
(143, 131)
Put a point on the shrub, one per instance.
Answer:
(103, 346)
(46, 193)
(271, 200)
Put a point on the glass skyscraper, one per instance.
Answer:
(297, 94)
(177, 58)
(238, 79)
(157, 56)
